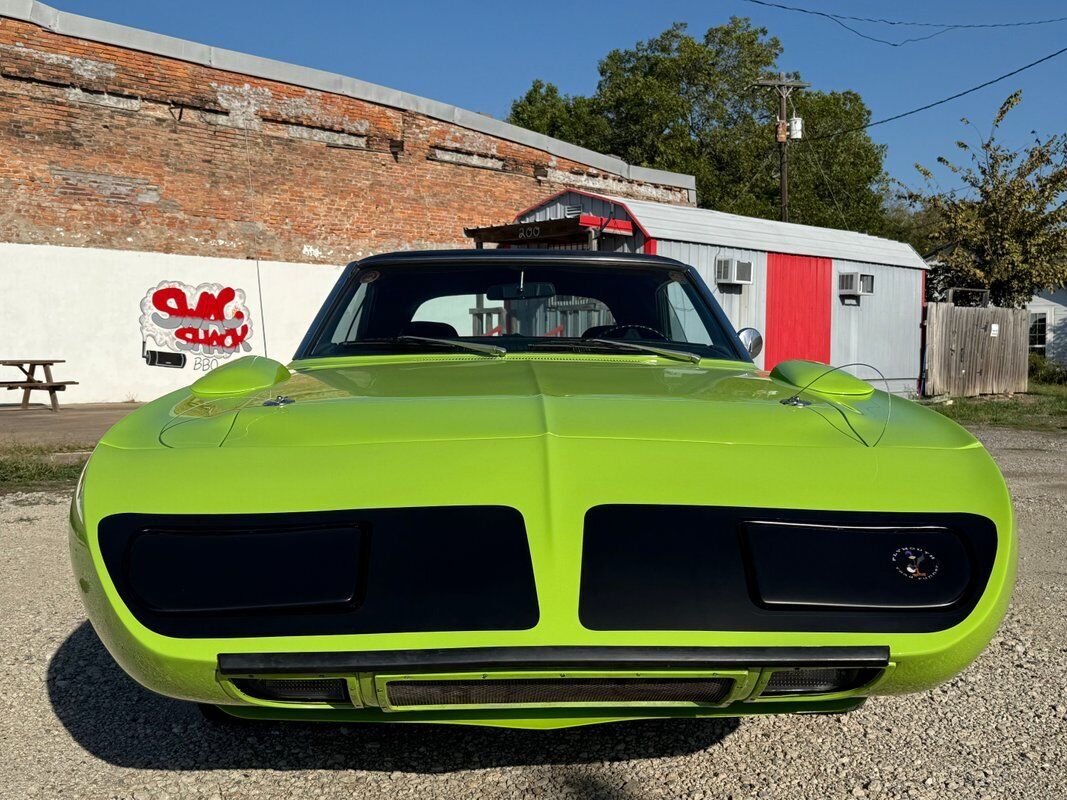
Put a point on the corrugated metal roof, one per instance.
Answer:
(96, 30)
(701, 225)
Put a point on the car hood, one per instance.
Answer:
(447, 398)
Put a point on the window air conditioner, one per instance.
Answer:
(733, 271)
(855, 284)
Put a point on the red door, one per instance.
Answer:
(798, 308)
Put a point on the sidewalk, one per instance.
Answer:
(73, 425)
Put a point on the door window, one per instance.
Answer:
(683, 320)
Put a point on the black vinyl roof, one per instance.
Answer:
(541, 257)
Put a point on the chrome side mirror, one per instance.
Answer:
(752, 339)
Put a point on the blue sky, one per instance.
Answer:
(481, 56)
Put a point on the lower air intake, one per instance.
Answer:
(817, 681)
(330, 690)
(550, 691)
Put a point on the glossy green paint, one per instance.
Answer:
(551, 435)
(821, 379)
(241, 376)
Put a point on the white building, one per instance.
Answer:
(1048, 325)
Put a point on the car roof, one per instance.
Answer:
(446, 258)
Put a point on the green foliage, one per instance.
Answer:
(1043, 408)
(837, 182)
(1044, 371)
(31, 467)
(1008, 231)
(915, 224)
(567, 117)
(690, 105)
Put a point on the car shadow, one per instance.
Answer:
(115, 719)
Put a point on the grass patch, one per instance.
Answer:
(31, 467)
(1043, 408)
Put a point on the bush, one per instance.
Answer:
(1044, 371)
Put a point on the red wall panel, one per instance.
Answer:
(798, 308)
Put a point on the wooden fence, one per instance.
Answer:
(973, 351)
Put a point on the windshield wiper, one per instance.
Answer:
(458, 344)
(585, 344)
(474, 347)
(677, 355)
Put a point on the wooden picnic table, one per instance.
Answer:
(28, 367)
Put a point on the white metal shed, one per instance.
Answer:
(827, 295)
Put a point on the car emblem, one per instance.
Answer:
(916, 563)
(280, 400)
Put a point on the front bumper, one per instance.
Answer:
(215, 671)
(190, 668)
(550, 686)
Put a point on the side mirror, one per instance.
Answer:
(752, 339)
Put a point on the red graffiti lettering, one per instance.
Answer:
(230, 339)
(209, 307)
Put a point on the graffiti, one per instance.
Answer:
(211, 320)
(204, 364)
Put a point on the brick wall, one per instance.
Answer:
(110, 147)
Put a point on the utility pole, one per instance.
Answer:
(787, 129)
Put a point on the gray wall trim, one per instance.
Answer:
(96, 30)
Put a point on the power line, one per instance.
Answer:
(813, 158)
(944, 27)
(755, 173)
(914, 24)
(810, 154)
(943, 100)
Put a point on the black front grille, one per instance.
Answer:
(391, 570)
(568, 690)
(688, 568)
(329, 690)
(817, 681)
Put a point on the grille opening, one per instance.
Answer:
(817, 681)
(516, 691)
(328, 690)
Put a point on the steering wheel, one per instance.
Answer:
(625, 328)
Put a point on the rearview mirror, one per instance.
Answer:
(752, 340)
(515, 291)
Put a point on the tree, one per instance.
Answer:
(570, 118)
(916, 224)
(1007, 231)
(690, 105)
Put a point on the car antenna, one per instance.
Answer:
(795, 400)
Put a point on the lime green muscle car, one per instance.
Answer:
(537, 489)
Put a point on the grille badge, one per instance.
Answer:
(915, 563)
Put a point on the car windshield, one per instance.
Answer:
(522, 307)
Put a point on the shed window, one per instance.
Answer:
(866, 284)
(1038, 332)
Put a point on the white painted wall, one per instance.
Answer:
(83, 305)
(1054, 306)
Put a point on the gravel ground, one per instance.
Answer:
(73, 725)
